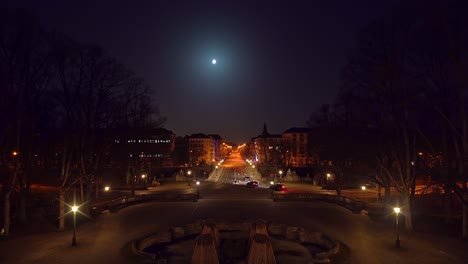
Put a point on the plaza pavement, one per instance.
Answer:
(104, 240)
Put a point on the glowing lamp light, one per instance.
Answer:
(213, 61)
(363, 188)
(107, 188)
(396, 209)
(74, 208)
(198, 183)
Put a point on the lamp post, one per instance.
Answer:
(328, 177)
(189, 173)
(198, 189)
(280, 175)
(397, 241)
(74, 209)
(143, 178)
(363, 188)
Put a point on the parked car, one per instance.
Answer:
(278, 187)
(252, 184)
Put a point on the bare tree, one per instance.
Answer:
(24, 75)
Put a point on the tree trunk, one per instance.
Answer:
(81, 190)
(89, 191)
(61, 209)
(23, 197)
(448, 204)
(387, 193)
(407, 212)
(379, 193)
(465, 215)
(6, 213)
(339, 182)
(97, 188)
(132, 178)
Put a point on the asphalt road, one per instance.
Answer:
(103, 240)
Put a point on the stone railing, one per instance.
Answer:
(129, 200)
(351, 204)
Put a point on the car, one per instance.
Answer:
(278, 187)
(252, 184)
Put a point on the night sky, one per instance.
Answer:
(277, 62)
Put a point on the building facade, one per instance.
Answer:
(292, 148)
(202, 149)
(153, 147)
(268, 147)
(297, 149)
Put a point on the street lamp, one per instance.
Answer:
(280, 174)
(74, 209)
(328, 177)
(198, 189)
(189, 173)
(143, 178)
(397, 242)
(363, 188)
(107, 188)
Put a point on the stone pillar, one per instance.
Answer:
(205, 250)
(212, 228)
(260, 248)
(206, 244)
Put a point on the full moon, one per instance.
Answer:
(213, 61)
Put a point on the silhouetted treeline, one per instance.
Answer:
(56, 94)
(405, 87)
